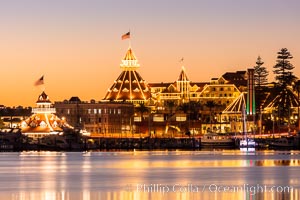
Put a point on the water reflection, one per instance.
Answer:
(150, 175)
(123, 195)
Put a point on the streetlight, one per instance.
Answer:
(220, 121)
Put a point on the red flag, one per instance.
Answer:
(126, 36)
(40, 81)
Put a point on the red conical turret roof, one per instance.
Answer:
(129, 55)
(43, 98)
(129, 86)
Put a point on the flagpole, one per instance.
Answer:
(129, 43)
(43, 88)
(127, 36)
(129, 39)
(43, 85)
(181, 61)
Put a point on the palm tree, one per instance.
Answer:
(185, 107)
(142, 109)
(195, 107)
(170, 104)
(210, 105)
(1, 123)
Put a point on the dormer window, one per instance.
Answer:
(43, 124)
(54, 124)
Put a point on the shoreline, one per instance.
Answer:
(132, 144)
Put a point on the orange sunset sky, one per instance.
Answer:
(77, 44)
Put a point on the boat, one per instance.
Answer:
(53, 142)
(5, 147)
(263, 145)
(247, 149)
(282, 143)
(248, 143)
(217, 140)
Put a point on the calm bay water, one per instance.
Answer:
(150, 175)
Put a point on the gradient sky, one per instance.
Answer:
(76, 44)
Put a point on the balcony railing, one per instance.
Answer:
(43, 110)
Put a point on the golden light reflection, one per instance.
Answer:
(121, 195)
(115, 175)
(141, 164)
(86, 169)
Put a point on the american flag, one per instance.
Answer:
(126, 36)
(40, 81)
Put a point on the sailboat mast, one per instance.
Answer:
(244, 122)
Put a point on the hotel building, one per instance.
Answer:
(98, 118)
